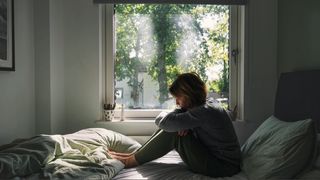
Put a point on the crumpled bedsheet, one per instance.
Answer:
(79, 155)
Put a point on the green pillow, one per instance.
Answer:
(278, 149)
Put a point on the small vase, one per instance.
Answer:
(108, 114)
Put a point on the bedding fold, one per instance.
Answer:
(79, 155)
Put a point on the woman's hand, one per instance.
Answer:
(183, 132)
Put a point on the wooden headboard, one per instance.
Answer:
(298, 96)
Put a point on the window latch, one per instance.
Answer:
(234, 54)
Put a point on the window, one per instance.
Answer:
(147, 45)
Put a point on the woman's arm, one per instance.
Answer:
(177, 121)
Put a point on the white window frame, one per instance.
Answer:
(236, 44)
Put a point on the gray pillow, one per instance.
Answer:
(278, 149)
(317, 161)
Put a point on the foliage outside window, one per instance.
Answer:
(155, 42)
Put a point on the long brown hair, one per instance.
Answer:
(191, 86)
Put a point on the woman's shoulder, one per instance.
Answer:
(215, 106)
(206, 110)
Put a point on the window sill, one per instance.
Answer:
(143, 120)
(128, 120)
(143, 126)
(130, 127)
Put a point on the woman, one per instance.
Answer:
(200, 131)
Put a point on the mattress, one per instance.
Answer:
(167, 167)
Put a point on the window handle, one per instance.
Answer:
(234, 54)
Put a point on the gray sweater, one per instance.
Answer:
(211, 124)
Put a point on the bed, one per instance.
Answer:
(297, 99)
(284, 146)
(168, 167)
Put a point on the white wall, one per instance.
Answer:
(42, 65)
(49, 58)
(260, 75)
(299, 35)
(57, 44)
(17, 92)
(261, 67)
(82, 63)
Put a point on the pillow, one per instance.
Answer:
(278, 149)
(314, 171)
(311, 175)
(317, 162)
(82, 155)
(108, 138)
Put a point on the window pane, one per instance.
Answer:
(154, 43)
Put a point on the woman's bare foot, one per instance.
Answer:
(129, 161)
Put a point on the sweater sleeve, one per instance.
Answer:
(177, 121)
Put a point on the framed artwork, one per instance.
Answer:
(6, 36)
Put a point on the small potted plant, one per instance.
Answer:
(109, 111)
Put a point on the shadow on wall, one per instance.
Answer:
(244, 130)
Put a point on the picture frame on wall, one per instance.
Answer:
(7, 62)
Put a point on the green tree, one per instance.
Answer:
(163, 67)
